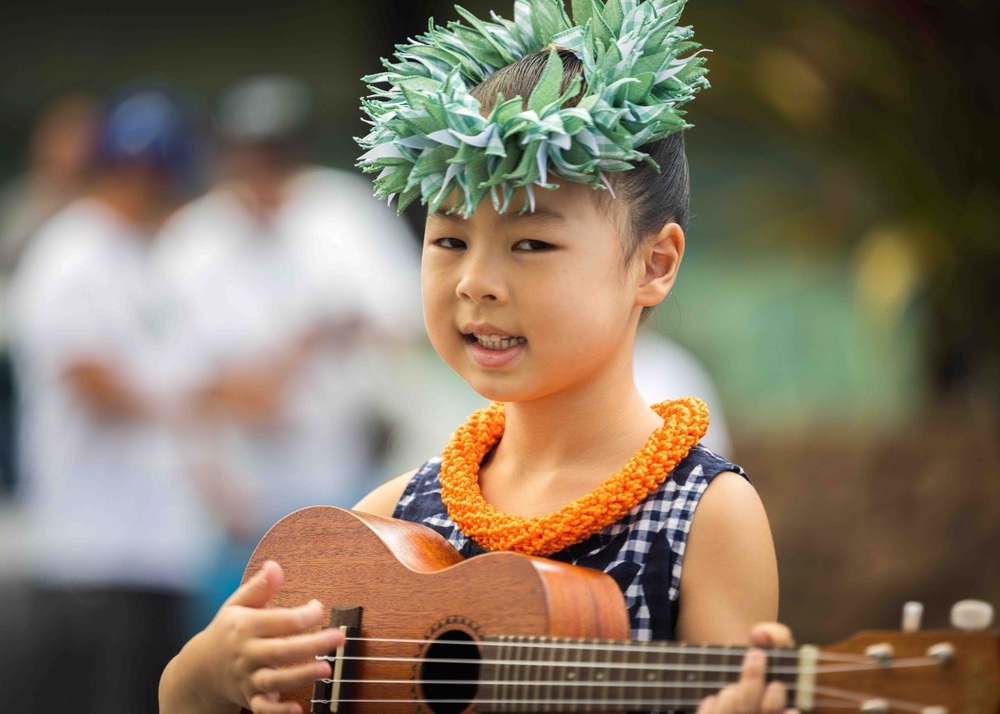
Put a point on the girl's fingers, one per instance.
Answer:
(707, 705)
(285, 621)
(750, 695)
(274, 652)
(268, 704)
(284, 679)
(772, 634)
(726, 702)
(750, 689)
(774, 699)
(260, 588)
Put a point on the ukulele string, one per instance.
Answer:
(533, 702)
(713, 685)
(843, 699)
(853, 698)
(861, 666)
(612, 646)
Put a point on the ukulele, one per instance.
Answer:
(432, 633)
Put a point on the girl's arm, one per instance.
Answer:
(729, 579)
(383, 499)
(729, 585)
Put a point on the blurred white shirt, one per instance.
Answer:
(332, 254)
(106, 500)
(665, 370)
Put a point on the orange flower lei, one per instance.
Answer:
(685, 422)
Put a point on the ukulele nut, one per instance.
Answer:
(882, 653)
(875, 706)
(943, 652)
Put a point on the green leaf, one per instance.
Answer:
(548, 19)
(577, 155)
(478, 174)
(638, 90)
(547, 90)
(393, 183)
(465, 154)
(600, 26)
(434, 161)
(582, 12)
(656, 41)
(484, 49)
(614, 16)
(573, 90)
(508, 110)
(405, 199)
(527, 168)
(419, 84)
(484, 31)
(502, 170)
(422, 125)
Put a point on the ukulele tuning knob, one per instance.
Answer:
(881, 653)
(934, 710)
(971, 615)
(943, 652)
(875, 706)
(913, 613)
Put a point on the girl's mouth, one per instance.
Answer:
(495, 342)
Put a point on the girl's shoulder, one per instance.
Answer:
(703, 465)
(382, 500)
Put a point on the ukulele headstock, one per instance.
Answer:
(922, 672)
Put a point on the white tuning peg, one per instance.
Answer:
(913, 612)
(971, 615)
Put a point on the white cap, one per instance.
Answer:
(971, 615)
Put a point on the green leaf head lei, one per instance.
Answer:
(430, 137)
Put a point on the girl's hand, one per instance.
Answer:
(248, 655)
(751, 695)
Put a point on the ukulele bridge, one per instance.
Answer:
(329, 693)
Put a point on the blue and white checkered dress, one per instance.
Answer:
(643, 552)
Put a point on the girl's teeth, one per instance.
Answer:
(496, 342)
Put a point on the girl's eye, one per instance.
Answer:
(532, 246)
(449, 243)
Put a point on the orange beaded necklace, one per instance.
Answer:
(685, 422)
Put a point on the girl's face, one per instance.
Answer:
(528, 306)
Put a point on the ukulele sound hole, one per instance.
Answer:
(450, 673)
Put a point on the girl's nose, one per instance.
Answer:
(480, 282)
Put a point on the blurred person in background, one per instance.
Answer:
(116, 532)
(664, 369)
(297, 280)
(59, 160)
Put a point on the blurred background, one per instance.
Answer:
(839, 300)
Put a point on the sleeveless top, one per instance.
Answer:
(643, 552)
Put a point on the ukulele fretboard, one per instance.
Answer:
(533, 674)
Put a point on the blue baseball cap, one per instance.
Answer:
(149, 126)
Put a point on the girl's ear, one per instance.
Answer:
(661, 259)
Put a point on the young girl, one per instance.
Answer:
(534, 298)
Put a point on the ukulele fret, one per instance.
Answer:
(679, 673)
(553, 674)
(703, 688)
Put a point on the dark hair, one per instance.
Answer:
(654, 198)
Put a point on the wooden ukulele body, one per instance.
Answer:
(412, 585)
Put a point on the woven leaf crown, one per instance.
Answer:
(430, 137)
